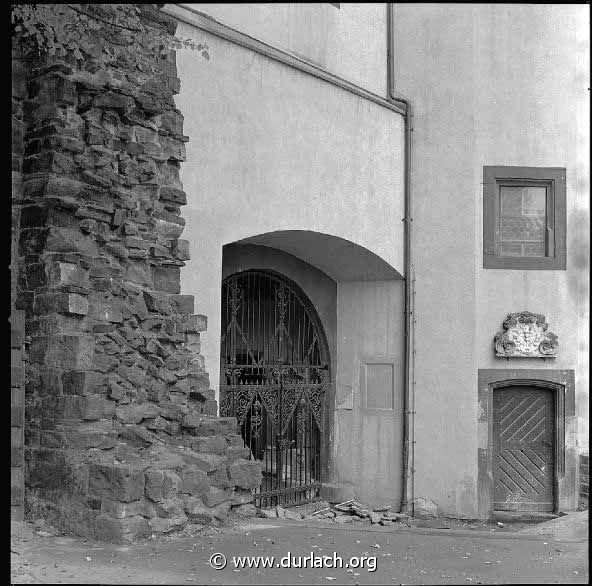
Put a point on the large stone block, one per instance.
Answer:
(197, 512)
(168, 279)
(118, 482)
(67, 273)
(162, 484)
(71, 303)
(126, 530)
(173, 194)
(220, 478)
(215, 496)
(183, 303)
(209, 426)
(245, 473)
(70, 352)
(167, 226)
(213, 444)
(195, 482)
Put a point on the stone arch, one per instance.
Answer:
(340, 259)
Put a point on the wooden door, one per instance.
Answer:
(524, 458)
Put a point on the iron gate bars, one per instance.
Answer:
(274, 374)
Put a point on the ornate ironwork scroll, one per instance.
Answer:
(274, 376)
(525, 335)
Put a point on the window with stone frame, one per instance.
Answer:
(524, 218)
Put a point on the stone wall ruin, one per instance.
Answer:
(121, 434)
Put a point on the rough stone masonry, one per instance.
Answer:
(121, 434)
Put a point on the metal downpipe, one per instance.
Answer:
(408, 496)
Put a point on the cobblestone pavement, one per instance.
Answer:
(557, 552)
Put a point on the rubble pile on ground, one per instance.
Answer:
(346, 512)
(351, 511)
(121, 439)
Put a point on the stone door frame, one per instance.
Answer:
(562, 383)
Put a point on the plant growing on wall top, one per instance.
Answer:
(99, 34)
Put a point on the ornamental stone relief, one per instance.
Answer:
(525, 335)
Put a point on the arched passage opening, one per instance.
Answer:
(358, 300)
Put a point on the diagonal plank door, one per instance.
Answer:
(523, 432)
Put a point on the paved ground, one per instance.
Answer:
(551, 552)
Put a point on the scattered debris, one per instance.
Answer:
(351, 510)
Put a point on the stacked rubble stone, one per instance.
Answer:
(122, 438)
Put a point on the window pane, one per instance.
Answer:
(379, 386)
(522, 222)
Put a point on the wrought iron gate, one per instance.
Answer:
(273, 377)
